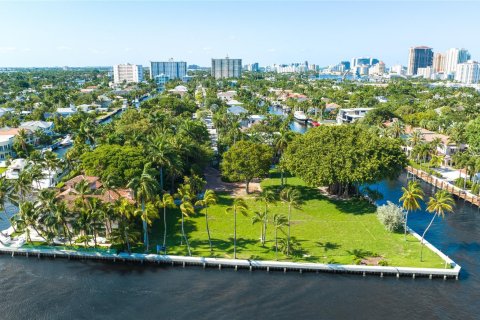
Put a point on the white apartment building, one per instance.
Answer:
(468, 72)
(127, 73)
(426, 72)
(453, 57)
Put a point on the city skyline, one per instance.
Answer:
(105, 33)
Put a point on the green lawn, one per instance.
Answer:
(2, 170)
(327, 231)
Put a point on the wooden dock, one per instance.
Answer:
(444, 185)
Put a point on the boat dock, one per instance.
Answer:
(236, 264)
(444, 185)
(108, 115)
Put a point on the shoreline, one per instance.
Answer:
(250, 265)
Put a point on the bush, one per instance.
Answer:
(391, 216)
(383, 263)
(475, 188)
(460, 183)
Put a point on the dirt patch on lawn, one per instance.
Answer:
(371, 261)
(214, 182)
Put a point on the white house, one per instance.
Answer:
(66, 112)
(45, 126)
(351, 115)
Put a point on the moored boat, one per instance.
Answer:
(300, 116)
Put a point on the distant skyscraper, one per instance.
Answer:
(438, 62)
(226, 68)
(253, 67)
(171, 69)
(128, 73)
(363, 61)
(346, 65)
(419, 57)
(468, 72)
(453, 57)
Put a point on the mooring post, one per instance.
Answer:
(301, 271)
(268, 269)
(430, 277)
(398, 275)
(219, 267)
(381, 274)
(250, 268)
(413, 276)
(204, 265)
(284, 270)
(364, 274)
(236, 268)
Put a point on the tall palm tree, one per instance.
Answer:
(21, 139)
(411, 194)
(239, 206)
(267, 196)
(209, 198)
(126, 212)
(186, 209)
(166, 201)
(147, 214)
(260, 217)
(52, 162)
(144, 188)
(160, 154)
(279, 221)
(23, 185)
(293, 198)
(439, 204)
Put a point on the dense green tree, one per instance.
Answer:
(246, 160)
(344, 157)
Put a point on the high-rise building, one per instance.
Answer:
(419, 57)
(426, 72)
(398, 69)
(127, 73)
(468, 72)
(453, 57)
(171, 69)
(226, 68)
(346, 65)
(438, 62)
(253, 67)
(363, 61)
(377, 69)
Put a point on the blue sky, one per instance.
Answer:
(81, 33)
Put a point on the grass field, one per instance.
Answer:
(327, 231)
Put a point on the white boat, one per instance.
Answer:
(300, 116)
(66, 141)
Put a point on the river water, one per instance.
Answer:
(47, 289)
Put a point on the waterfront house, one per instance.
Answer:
(69, 194)
(7, 139)
(237, 110)
(66, 112)
(45, 126)
(351, 115)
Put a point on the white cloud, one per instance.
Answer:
(6, 49)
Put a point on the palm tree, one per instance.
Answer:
(187, 209)
(148, 214)
(21, 139)
(397, 129)
(439, 204)
(279, 221)
(267, 196)
(411, 194)
(52, 162)
(293, 198)
(82, 189)
(260, 217)
(160, 154)
(23, 185)
(209, 198)
(165, 202)
(126, 211)
(240, 206)
(144, 188)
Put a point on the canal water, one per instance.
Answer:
(294, 125)
(47, 289)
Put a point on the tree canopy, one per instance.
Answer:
(246, 160)
(343, 157)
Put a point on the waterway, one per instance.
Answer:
(47, 289)
(294, 125)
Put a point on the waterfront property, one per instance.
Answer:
(324, 230)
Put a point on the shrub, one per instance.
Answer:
(391, 216)
(383, 262)
(460, 183)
